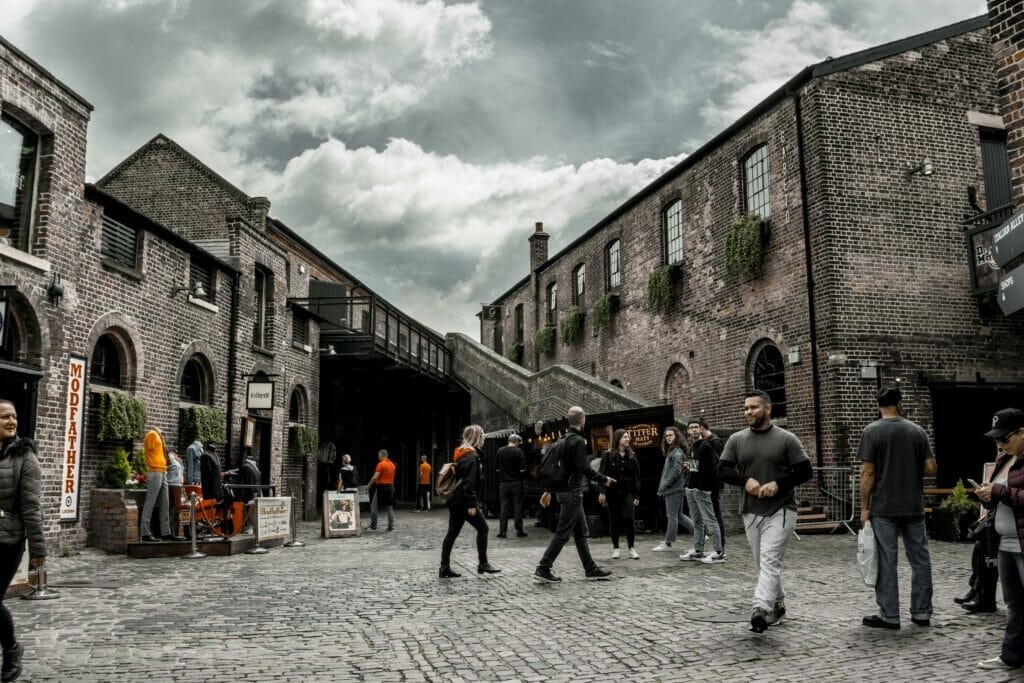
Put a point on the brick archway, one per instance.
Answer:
(678, 390)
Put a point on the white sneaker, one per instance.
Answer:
(615, 553)
(634, 554)
(995, 663)
(713, 558)
(692, 556)
(662, 547)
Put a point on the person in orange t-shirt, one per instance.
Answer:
(423, 491)
(383, 484)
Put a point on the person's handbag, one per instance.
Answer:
(981, 527)
(867, 559)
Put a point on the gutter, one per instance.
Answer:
(232, 368)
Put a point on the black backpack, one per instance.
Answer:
(552, 469)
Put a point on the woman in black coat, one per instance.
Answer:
(620, 464)
(462, 505)
(20, 489)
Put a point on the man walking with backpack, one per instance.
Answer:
(574, 467)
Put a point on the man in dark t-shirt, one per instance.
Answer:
(512, 469)
(896, 457)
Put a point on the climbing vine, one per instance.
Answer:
(571, 326)
(544, 340)
(515, 353)
(122, 417)
(305, 439)
(745, 247)
(659, 289)
(601, 312)
(203, 423)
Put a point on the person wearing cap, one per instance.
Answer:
(895, 459)
(512, 470)
(1006, 492)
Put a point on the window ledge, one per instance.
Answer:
(127, 271)
(262, 351)
(306, 348)
(17, 255)
(202, 303)
(97, 388)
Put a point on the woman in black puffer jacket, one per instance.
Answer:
(20, 518)
(620, 463)
(462, 506)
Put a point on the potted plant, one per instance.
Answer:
(954, 516)
(745, 247)
(571, 326)
(601, 312)
(659, 289)
(515, 353)
(544, 340)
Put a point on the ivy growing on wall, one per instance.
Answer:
(571, 325)
(601, 312)
(515, 353)
(305, 439)
(745, 247)
(544, 340)
(122, 417)
(659, 289)
(203, 423)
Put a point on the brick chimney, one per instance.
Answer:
(538, 247)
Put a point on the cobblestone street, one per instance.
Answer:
(372, 608)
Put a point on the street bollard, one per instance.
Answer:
(195, 555)
(41, 592)
(294, 543)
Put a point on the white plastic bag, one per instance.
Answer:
(867, 560)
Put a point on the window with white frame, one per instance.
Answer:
(19, 171)
(552, 306)
(579, 284)
(612, 264)
(674, 233)
(757, 183)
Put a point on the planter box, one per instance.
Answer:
(114, 519)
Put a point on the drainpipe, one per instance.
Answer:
(808, 269)
(232, 367)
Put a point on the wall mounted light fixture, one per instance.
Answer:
(925, 167)
(56, 290)
(196, 290)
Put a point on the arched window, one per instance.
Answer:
(296, 406)
(11, 348)
(757, 184)
(552, 306)
(674, 233)
(195, 382)
(105, 367)
(579, 284)
(19, 162)
(616, 383)
(499, 339)
(768, 373)
(678, 390)
(519, 323)
(613, 273)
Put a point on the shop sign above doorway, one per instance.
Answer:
(260, 396)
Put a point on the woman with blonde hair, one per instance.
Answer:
(462, 505)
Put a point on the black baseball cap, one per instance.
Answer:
(1004, 422)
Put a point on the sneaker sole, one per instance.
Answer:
(599, 578)
(759, 625)
(712, 561)
(541, 579)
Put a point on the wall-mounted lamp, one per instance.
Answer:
(196, 290)
(329, 350)
(56, 290)
(926, 167)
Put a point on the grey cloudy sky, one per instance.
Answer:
(417, 141)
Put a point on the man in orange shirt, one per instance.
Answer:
(156, 487)
(383, 484)
(423, 493)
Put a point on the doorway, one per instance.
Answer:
(962, 413)
(20, 388)
(261, 443)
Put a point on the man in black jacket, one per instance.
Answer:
(511, 468)
(575, 467)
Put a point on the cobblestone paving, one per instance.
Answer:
(372, 608)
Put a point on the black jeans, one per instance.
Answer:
(457, 518)
(716, 503)
(570, 523)
(511, 498)
(423, 497)
(621, 515)
(10, 559)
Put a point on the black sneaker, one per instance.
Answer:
(921, 622)
(544, 575)
(599, 574)
(759, 620)
(12, 663)
(776, 614)
(875, 621)
(520, 534)
(500, 535)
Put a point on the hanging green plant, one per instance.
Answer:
(122, 417)
(544, 339)
(203, 423)
(745, 247)
(117, 471)
(659, 289)
(571, 326)
(305, 439)
(515, 353)
(602, 310)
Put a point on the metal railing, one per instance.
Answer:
(834, 493)
(354, 323)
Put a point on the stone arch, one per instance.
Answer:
(298, 404)
(678, 390)
(202, 354)
(24, 339)
(766, 371)
(127, 342)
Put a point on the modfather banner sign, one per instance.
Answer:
(73, 437)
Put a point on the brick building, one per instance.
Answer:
(166, 283)
(861, 170)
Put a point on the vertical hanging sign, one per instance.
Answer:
(73, 437)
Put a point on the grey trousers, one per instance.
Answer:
(703, 511)
(676, 518)
(156, 494)
(767, 536)
(887, 588)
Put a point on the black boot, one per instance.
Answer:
(969, 596)
(12, 663)
(486, 568)
(445, 572)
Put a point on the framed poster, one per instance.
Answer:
(341, 514)
(248, 432)
(273, 518)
